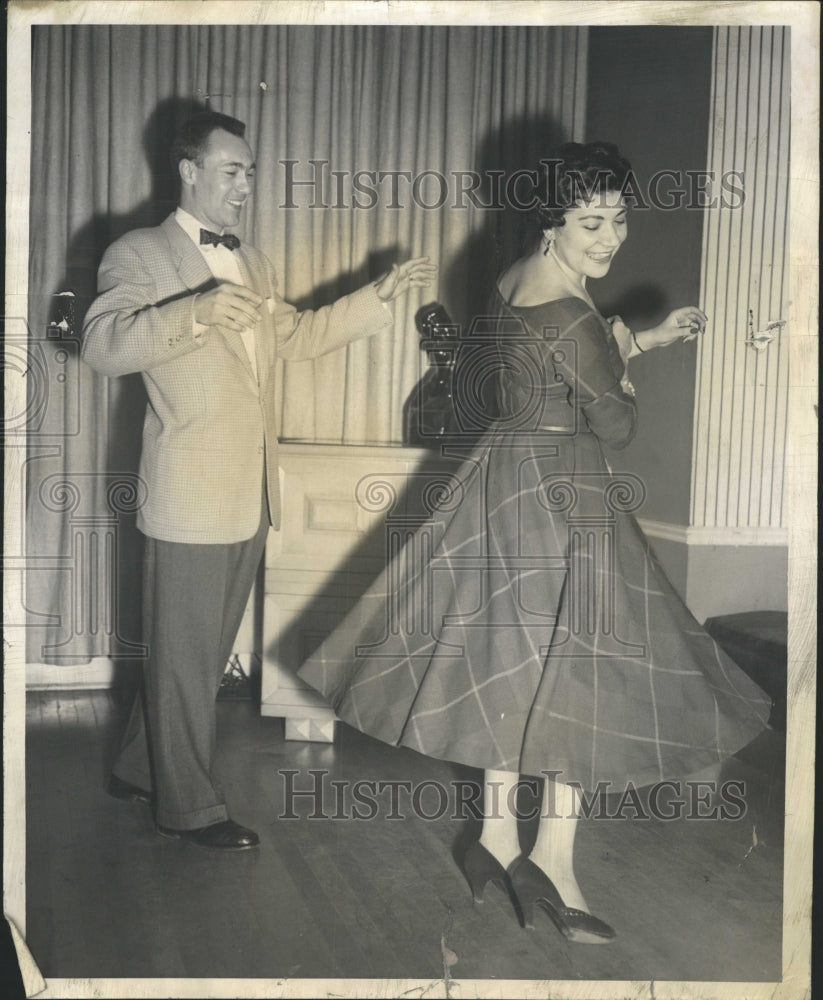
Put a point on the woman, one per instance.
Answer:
(540, 636)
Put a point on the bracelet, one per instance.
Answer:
(634, 338)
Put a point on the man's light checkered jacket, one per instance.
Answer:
(210, 428)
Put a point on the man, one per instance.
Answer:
(200, 317)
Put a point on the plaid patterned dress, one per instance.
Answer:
(525, 625)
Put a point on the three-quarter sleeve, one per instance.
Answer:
(585, 357)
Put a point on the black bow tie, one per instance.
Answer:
(229, 240)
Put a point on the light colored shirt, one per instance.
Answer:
(223, 264)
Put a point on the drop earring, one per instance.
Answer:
(548, 241)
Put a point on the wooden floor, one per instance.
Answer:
(375, 898)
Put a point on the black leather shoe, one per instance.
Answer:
(223, 836)
(127, 792)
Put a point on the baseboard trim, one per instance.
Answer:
(704, 535)
(98, 674)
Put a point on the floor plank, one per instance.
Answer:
(334, 897)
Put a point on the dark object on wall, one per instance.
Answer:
(429, 411)
(757, 641)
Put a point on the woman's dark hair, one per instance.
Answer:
(577, 171)
(192, 137)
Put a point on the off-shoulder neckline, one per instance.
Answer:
(548, 302)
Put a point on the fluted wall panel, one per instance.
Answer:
(741, 393)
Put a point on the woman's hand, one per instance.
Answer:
(415, 273)
(682, 324)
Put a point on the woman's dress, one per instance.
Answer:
(527, 626)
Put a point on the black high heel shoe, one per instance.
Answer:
(480, 867)
(533, 887)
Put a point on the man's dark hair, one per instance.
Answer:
(193, 136)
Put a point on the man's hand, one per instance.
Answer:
(230, 307)
(415, 273)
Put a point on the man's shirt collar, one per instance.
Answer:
(190, 225)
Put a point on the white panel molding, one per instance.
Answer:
(330, 513)
(333, 543)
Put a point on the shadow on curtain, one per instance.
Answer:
(373, 105)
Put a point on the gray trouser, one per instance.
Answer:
(194, 597)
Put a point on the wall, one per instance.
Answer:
(713, 412)
(413, 98)
(649, 92)
(727, 579)
(741, 402)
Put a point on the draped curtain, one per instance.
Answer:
(375, 108)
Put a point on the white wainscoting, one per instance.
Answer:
(331, 545)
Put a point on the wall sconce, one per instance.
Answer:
(761, 339)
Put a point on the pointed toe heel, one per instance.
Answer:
(532, 887)
(480, 867)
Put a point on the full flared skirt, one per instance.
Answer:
(527, 626)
